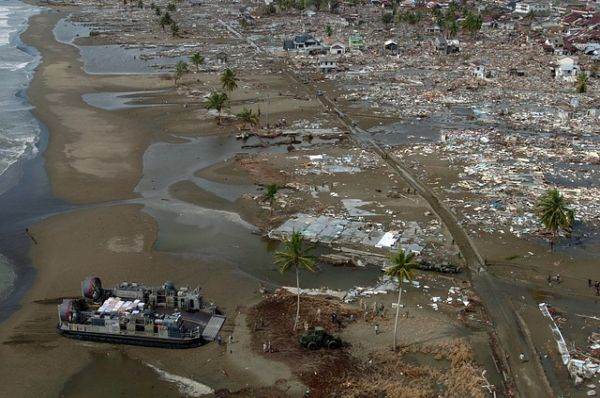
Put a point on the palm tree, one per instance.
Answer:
(157, 12)
(401, 267)
(229, 80)
(180, 69)
(197, 60)
(174, 29)
(295, 255)
(216, 101)
(171, 7)
(165, 20)
(582, 82)
(555, 214)
(246, 115)
(271, 193)
(472, 23)
(328, 30)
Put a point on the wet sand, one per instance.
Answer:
(95, 156)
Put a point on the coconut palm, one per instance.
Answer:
(295, 255)
(328, 30)
(180, 69)
(247, 116)
(472, 23)
(197, 60)
(582, 82)
(401, 267)
(555, 213)
(271, 193)
(229, 80)
(174, 29)
(216, 101)
(165, 20)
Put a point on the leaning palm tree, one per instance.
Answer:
(216, 101)
(295, 255)
(229, 80)
(401, 267)
(555, 214)
(180, 69)
(197, 60)
(582, 82)
(247, 116)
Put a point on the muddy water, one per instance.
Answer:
(217, 235)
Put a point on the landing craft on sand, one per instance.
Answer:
(133, 313)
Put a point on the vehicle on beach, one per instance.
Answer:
(133, 313)
(319, 338)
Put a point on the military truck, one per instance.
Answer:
(319, 338)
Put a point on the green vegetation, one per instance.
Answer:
(555, 214)
(247, 116)
(271, 193)
(582, 82)
(174, 29)
(165, 20)
(328, 30)
(229, 80)
(387, 18)
(217, 101)
(410, 17)
(171, 7)
(180, 69)
(472, 23)
(197, 60)
(401, 267)
(295, 255)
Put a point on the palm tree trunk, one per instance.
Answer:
(397, 312)
(297, 319)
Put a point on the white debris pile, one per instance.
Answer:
(354, 162)
(501, 176)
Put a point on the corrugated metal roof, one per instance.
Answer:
(213, 327)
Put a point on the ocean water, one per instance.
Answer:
(19, 130)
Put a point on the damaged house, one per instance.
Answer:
(567, 69)
(303, 42)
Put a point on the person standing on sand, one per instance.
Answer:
(376, 329)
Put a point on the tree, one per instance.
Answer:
(197, 60)
(174, 29)
(387, 18)
(171, 7)
(247, 116)
(452, 27)
(328, 30)
(401, 267)
(165, 20)
(271, 193)
(472, 23)
(555, 214)
(180, 69)
(140, 4)
(157, 11)
(216, 101)
(582, 82)
(229, 80)
(295, 255)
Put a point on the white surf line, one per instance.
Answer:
(188, 387)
